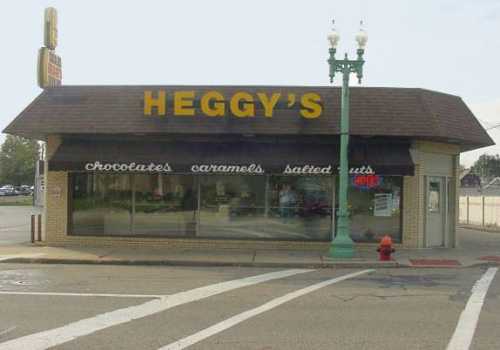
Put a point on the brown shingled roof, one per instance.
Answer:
(400, 112)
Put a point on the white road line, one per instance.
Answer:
(232, 321)
(7, 257)
(57, 336)
(146, 296)
(462, 337)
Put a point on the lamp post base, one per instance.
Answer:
(342, 247)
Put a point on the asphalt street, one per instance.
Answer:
(137, 307)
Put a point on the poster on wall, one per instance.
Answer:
(382, 204)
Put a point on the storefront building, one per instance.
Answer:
(247, 166)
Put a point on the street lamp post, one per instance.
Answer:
(342, 246)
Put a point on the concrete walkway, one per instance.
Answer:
(15, 223)
(476, 248)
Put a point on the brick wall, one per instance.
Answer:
(56, 197)
(413, 209)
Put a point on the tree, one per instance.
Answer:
(17, 161)
(487, 166)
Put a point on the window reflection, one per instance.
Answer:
(300, 207)
(266, 207)
(375, 210)
(102, 204)
(164, 205)
(230, 206)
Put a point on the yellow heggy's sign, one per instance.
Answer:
(50, 28)
(240, 104)
(49, 68)
(49, 63)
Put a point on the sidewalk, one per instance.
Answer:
(477, 248)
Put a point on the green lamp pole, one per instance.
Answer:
(342, 246)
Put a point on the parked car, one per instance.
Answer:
(2, 193)
(8, 190)
(24, 190)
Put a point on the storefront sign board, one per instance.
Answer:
(242, 169)
(49, 68)
(129, 167)
(50, 28)
(241, 104)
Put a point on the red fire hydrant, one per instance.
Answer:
(385, 248)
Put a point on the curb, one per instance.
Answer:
(128, 262)
(480, 228)
(207, 263)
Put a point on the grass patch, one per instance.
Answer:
(16, 200)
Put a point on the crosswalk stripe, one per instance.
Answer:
(60, 294)
(230, 322)
(467, 323)
(12, 256)
(46, 339)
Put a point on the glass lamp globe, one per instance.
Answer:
(333, 38)
(362, 38)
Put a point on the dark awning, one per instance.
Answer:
(228, 157)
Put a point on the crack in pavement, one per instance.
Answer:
(7, 330)
(383, 297)
(391, 280)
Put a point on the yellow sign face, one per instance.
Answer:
(49, 68)
(50, 28)
(240, 104)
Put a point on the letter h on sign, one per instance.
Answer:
(159, 102)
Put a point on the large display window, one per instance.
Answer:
(164, 205)
(126, 204)
(301, 206)
(230, 206)
(266, 207)
(375, 207)
(101, 204)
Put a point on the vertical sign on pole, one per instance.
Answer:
(49, 63)
(49, 68)
(50, 28)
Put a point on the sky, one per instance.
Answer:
(450, 46)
